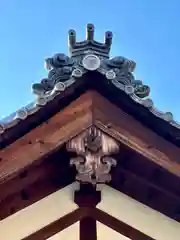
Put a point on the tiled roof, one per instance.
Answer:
(86, 56)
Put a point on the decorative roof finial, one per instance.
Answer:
(90, 55)
(85, 56)
(78, 49)
(90, 32)
(72, 38)
(108, 38)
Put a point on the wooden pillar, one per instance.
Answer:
(87, 197)
(88, 229)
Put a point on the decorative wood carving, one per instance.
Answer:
(94, 162)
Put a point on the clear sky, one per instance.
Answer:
(146, 31)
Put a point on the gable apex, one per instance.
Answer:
(90, 60)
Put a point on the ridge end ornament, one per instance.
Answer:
(93, 162)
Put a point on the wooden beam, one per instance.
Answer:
(51, 174)
(88, 215)
(45, 138)
(90, 108)
(44, 170)
(87, 197)
(88, 229)
(88, 232)
(146, 192)
(118, 225)
(133, 134)
(35, 192)
(58, 225)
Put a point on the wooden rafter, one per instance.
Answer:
(58, 225)
(90, 108)
(46, 138)
(133, 134)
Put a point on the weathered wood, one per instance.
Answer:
(37, 182)
(146, 192)
(35, 192)
(52, 175)
(91, 108)
(133, 134)
(27, 178)
(46, 138)
(88, 109)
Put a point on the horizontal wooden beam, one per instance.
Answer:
(44, 170)
(146, 192)
(35, 192)
(27, 191)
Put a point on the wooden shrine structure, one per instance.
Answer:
(91, 158)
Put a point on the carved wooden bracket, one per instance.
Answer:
(94, 162)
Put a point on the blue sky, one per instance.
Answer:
(146, 31)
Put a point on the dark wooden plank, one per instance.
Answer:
(87, 196)
(145, 192)
(118, 225)
(45, 169)
(88, 229)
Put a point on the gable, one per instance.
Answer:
(19, 126)
(137, 215)
(91, 122)
(88, 66)
(116, 215)
(147, 165)
(89, 109)
(39, 215)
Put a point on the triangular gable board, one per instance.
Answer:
(92, 122)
